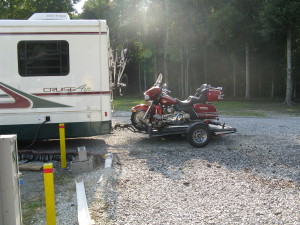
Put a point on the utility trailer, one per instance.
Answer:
(54, 70)
(198, 132)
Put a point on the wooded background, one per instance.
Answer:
(249, 47)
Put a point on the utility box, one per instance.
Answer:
(10, 199)
(83, 166)
(82, 155)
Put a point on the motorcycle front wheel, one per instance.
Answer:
(199, 135)
(137, 122)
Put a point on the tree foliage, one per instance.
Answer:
(23, 9)
(280, 19)
(238, 44)
(226, 43)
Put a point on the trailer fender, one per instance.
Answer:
(141, 107)
(193, 124)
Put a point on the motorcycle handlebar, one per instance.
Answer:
(166, 91)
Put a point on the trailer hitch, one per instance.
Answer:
(123, 126)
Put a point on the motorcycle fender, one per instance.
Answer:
(141, 107)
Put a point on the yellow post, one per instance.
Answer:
(49, 194)
(63, 153)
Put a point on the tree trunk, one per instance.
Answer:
(140, 86)
(234, 74)
(145, 78)
(155, 75)
(259, 86)
(247, 91)
(181, 85)
(272, 89)
(205, 62)
(186, 68)
(166, 42)
(294, 90)
(289, 82)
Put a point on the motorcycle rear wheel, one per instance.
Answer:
(136, 120)
(199, 135)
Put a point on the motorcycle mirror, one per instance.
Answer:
(164, 85)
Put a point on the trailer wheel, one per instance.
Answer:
(136, 120)
(199, 135)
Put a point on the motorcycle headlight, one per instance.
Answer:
(147, 97)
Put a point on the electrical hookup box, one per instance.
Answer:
(10, 199)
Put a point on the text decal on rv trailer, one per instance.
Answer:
(83, 89)
(54, 70)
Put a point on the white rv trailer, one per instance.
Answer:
(54, 70)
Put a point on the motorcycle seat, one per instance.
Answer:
(184, 103)
(189, 102)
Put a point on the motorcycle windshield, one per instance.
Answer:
(158, 81)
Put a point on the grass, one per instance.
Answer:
(30, 208)
(255, 108)
(126, 103)
(64, 178)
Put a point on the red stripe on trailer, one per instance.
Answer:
(19, 100)
(73, 93)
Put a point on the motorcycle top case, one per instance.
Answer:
(214, 95)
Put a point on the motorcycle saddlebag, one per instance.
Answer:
(214, 95)
(205, 111)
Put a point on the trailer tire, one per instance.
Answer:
(199, 135)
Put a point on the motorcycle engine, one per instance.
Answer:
(176, 118)
(169, 109)
(171, 117)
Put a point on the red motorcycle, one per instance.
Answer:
(164, 115)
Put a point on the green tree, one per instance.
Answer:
(50, 5)
(280, 20)
(127, 24)
(12, 9)
(233, 23)
(193, 41)
(20, 9)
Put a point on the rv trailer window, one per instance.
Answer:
(43, 58)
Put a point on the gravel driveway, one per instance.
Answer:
(251, 177)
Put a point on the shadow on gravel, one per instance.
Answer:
(32, 189)
(71, 144)
(262, 156)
